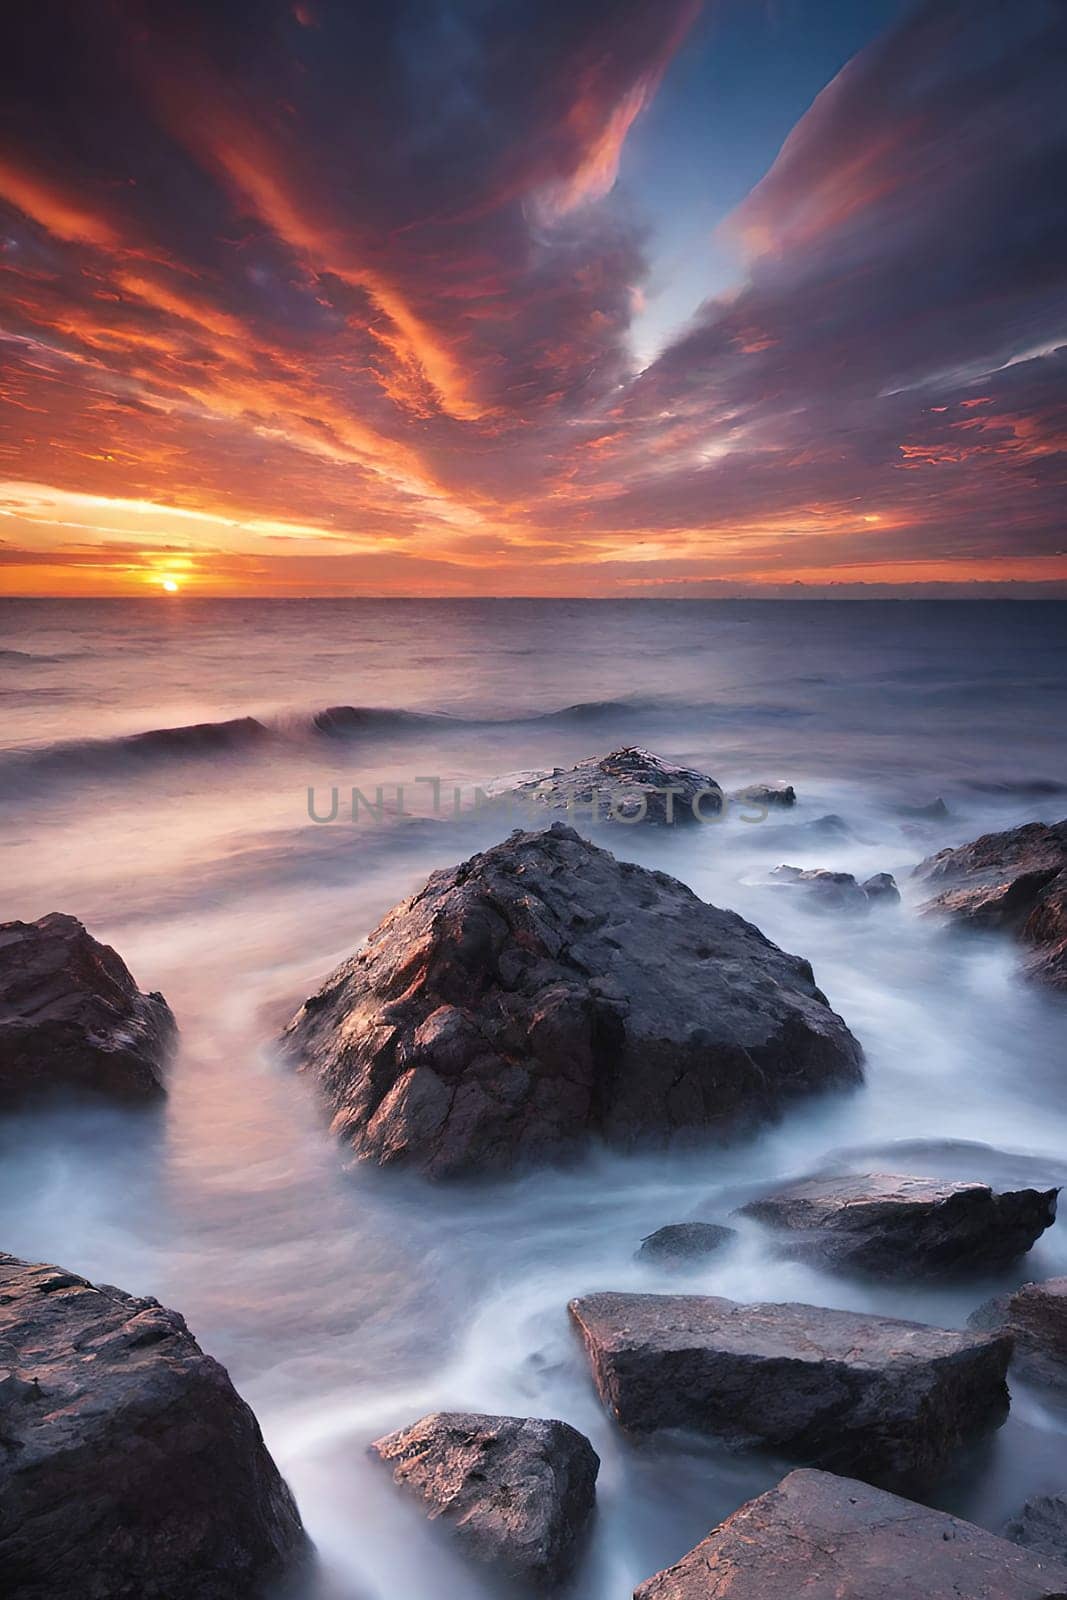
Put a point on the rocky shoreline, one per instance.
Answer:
(539, 1000)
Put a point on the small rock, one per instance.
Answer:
(73, 1019)
(685, 1241)
(882, 889)
(1041, 1526)
(628, 787)
(771, 795)
(821, 1537)
(1035, 1317)
(1015, 881)
(517, 1492)
(933, 811)
(887, 1400)
(900, 1227)
(129, 1465)
(823, 890)
(543, 994)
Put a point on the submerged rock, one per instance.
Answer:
(889, 1401)
(1015, 881)
(129, 1465)
(72, 1017)
(1035, 1317)
(838, 891)
(517, 1492)
(821, 1537)
(770, 795)
(544, 993)
(685, 1241)
(628, 787)
(902, 1227)
(1041, 1526)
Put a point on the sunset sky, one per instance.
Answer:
(576, 297)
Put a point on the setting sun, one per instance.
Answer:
(170, 585)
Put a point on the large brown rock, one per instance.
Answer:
(902, 1227)
(1016, 881)
(820, 1537)
(129, 1466)
(72, 1018)
(886, 1400)
(516, 1492)
(544, 993)
(1035, 1317)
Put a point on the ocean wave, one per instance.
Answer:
(129, 751)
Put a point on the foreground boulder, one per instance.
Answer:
(901, 1227)
(820, 1537)
(1041, 1526)
(517, 1492)
(543, 993)
(629, 786)
(129, 1465)
(680, 1242)
(1015, 881)
(72, 1018)
(1035, 1317)
(889, 1401)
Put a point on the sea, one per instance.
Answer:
(234, 792)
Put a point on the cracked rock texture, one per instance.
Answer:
(1035, 1317)
(130, 1468)
(516, 1492)
(542, 994)
(72, 1018)
(820, 1537)
(888, 1401)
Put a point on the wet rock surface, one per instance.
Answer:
(891, 1226)
(679, 1242)
(544, 993)
(821, 1537)
(1035, 1317)
(516, 1492)
(769, 795)
(627, 787)
(129, 1465)
(886, 1400)
(73, 1019)
(1041, 1526)
(1014, 881)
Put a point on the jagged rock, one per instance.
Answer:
(679, 1242)
(1016, 881)
(1041, 1526)
(517, 1492)
(129, 1466)
(904, 1227)
(821, 1537)
(628, 787)
(776, 795)
(72, 1018)
(838, 891)
(1035, 1317)
(544, 993)
(889, 1401)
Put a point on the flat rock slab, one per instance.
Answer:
(73, 1019)
(889, 1401)
(129, 1465)
(681, 1242)
(517, 1492)
(899, 1227)
(1035, 1317)
(543, 994)
(627, 787)
(820, 1537)
(1016, 881)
